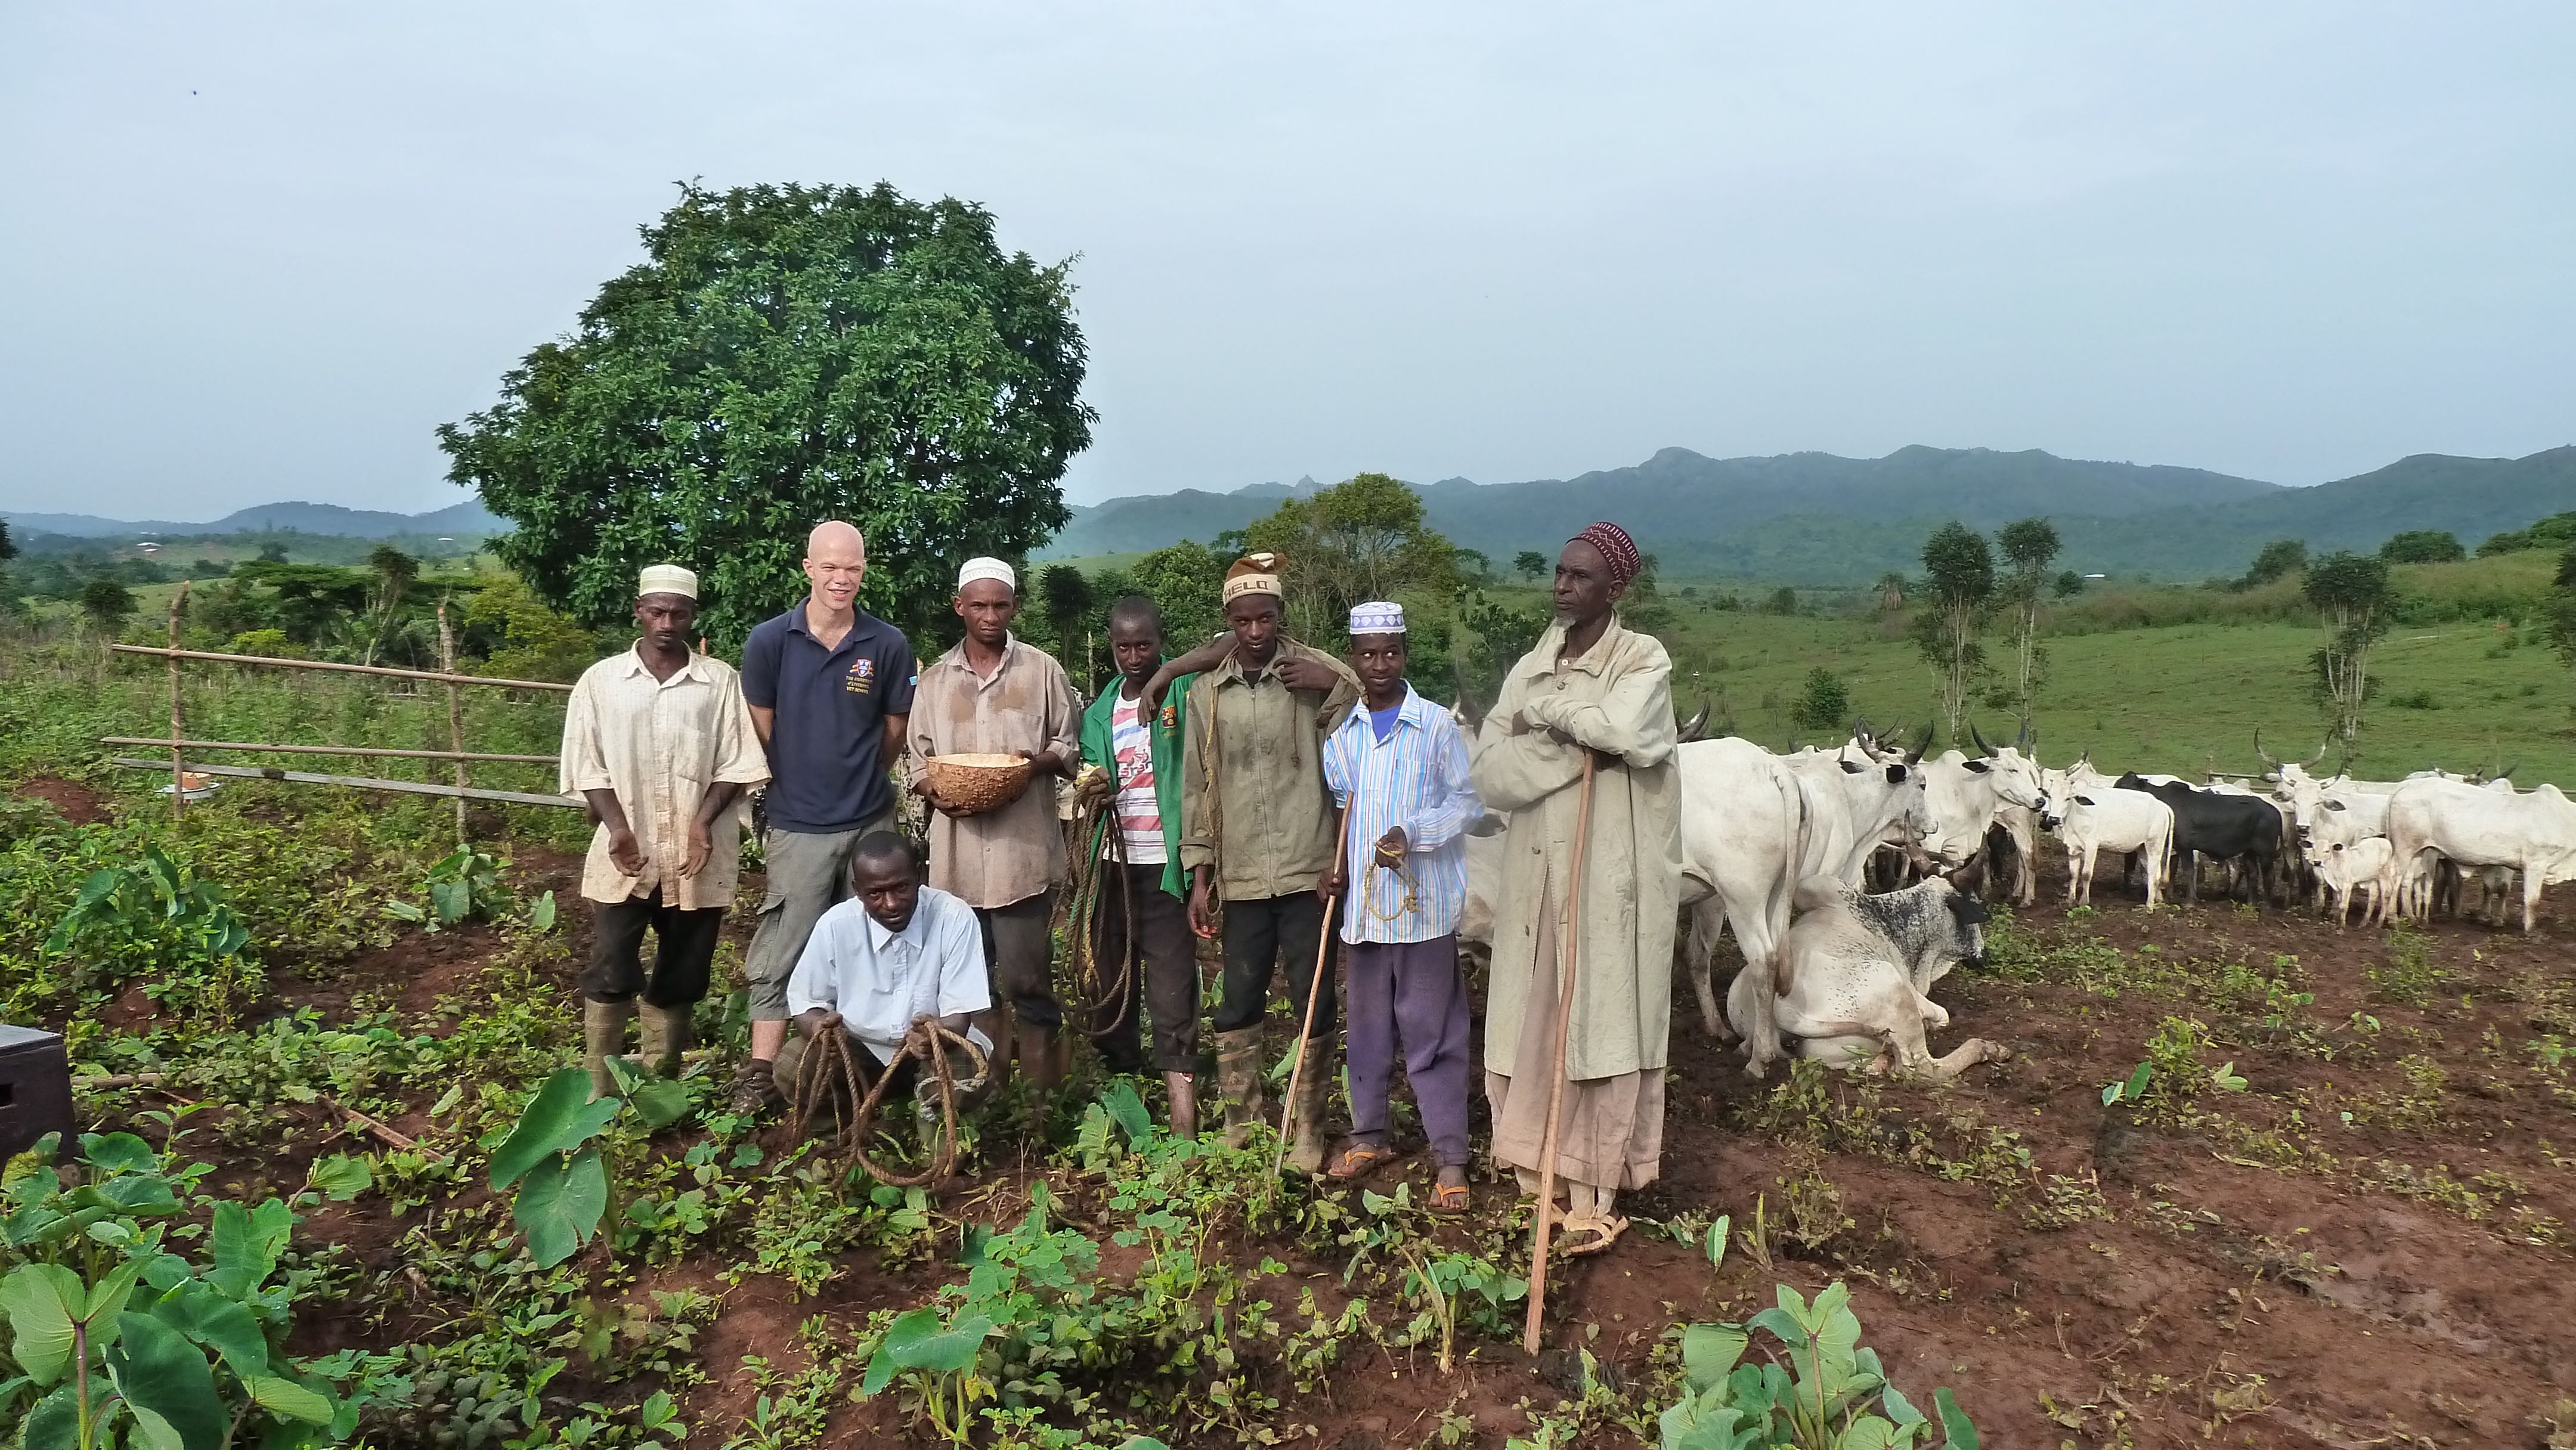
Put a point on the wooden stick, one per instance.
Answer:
(455, 717)
(1314, 990)
(384, 670)
(357, 1119)
(363, 782)
(1568, 953)
(178, 771)
(327, 749)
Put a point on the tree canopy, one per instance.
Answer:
(2422, 546)
(785, 355)
(1358, 540)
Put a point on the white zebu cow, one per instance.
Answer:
(2534, 833)
(1962, 797)
(2090, 820)
(1856, 971)
(2369, 864)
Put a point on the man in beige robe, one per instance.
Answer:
(1588, 689)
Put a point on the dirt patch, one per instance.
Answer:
(79, 804)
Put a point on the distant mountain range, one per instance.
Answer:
(1815, 518)
(1796, 518)
(308, 518)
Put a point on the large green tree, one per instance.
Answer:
(2030, 546)
(2353, 595)
(1358, 540)
(785, 355)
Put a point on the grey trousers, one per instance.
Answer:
(807, 876)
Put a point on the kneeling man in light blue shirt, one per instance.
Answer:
(896, 952)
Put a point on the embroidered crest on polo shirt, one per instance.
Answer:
(861, 679)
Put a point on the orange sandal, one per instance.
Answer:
(1449, 1198)
(1358, 1160)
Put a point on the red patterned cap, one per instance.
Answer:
(1615, 546)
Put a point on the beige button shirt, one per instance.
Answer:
(1253, 802)
(1016, 852)
(659, 744)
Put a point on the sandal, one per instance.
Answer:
(1449, 1198)
(1355, 1159)
(1603, 1233)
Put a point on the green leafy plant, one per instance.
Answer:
(155, 918)
(465, 885)
(938, 1359)
(1819, 1390)
(563, 1185)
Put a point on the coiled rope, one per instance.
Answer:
(829, 1065)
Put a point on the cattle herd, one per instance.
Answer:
(1851, 876)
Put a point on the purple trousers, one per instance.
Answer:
(1413, 994)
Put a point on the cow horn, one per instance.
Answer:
(2266, 755)
(1915, 756)
(2507, 772)
(1860, 729)
(2321, 754)
(1982, 746)
(1692, 727)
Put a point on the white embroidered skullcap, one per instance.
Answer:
(666, 579)
(987, 568)
(1377, 617)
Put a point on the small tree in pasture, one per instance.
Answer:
(1959, 573)
(1530, 562)
(1358, 540)
(2353, 594)
(2422, 546)
(2068, 584)
(394, 571)
(1064, 596)
(1824, 705)
(2277, 558)
(2030, 546)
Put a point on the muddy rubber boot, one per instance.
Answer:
(603, 1036)
(666, 1036)
(1239, 1084)
(1306, 1149)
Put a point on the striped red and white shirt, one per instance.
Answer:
(1140, 813)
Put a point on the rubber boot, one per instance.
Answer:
(666, 1036)
(1183, 1090)
(1239, 1083)
(603, 1036)
(1306, 1148)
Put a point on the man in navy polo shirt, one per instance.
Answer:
(830, 687)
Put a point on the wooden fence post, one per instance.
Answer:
(455, 712)
(178, 771)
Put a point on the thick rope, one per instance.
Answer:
(829, 1064)
(1104, 856)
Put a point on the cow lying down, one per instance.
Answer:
(1854, 970)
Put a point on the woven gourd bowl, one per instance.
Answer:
(978, 782)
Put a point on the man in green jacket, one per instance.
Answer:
(1132, 756)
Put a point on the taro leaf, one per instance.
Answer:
(1869, 1432)
(942, 1351)
(341, 1176)
(1709, 1352)
(452, 900)
(1717, 1240)
(202, 1313)
(1957, 1433)
(245, 1244)
(286, 1397)
(1779, 1322)
(541, 917)
(42, 1301)
(1143, 1442)
(658, 1101)
(54, 1424)
(1707, 1422)
(405, 911)
(558, 1119)
(909, 1326)
(2136, 1087)
(118, 1153)
(1128, 1110)
(143, 1195)
(168, 1385)
(1899, 1408)
(560, 1204)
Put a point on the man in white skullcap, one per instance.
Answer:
(993, 695)
(658, 740)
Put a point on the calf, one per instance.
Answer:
(2369, 863)
(2224, 827)
(2111, 820)
(1853, 972)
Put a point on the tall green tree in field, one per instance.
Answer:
(1064, 596)
(105, 605)
(2562, 608)
(1530, 562)
(2030, 546)
(2352, 594)
(785, 355)
(1358, 540)
(1959, 588)
(394, 571)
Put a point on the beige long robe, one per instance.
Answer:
(1616, 698)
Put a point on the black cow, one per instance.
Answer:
(2216, 824)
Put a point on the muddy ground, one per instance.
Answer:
(2247, 1267)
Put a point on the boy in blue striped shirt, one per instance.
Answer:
(1397, 768)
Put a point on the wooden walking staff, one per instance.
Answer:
(178, 771)
(1568, 952)
(455, 716)
(1314, 990)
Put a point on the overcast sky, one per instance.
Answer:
(252, 253)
